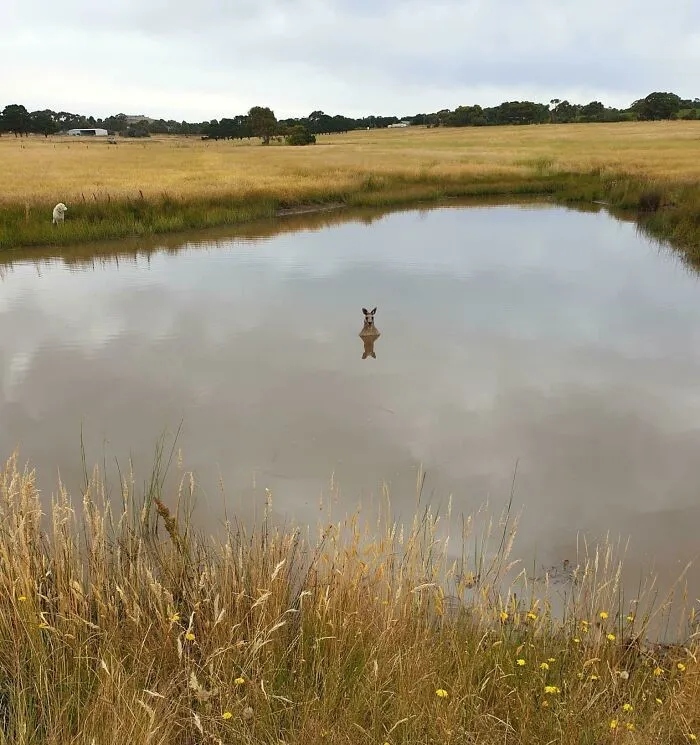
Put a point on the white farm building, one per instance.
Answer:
(91, 132)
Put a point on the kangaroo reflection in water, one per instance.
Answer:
(369, 334)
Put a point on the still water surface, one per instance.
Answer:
(561, 341)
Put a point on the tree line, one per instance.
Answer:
(261, 122)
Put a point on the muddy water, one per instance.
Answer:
(560, 341)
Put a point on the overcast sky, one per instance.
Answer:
(204, 59)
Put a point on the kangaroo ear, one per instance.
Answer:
(374, 311)
(365, 311)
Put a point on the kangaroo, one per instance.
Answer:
(369, 334)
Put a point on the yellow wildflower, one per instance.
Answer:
(577, 640)
(189, 636)
(532, 616)
(544, 666)
(551, 659)
(613, 723)
(552, 689)
(503, 616)
(239, 681)
(22, 598)
(630, 726)
(603, 615)
(520, 662)
(594, 677)
(627, 707)
(658, 671)
(226, 715)
(611, 637)
(441, 693)
(681, 667)
(630, 618)
(692, 737)
(658, 700)
(175, 618)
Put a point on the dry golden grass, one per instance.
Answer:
(121, 625)
(63, 169)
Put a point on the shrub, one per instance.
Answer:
(300, 135)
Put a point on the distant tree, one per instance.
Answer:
(593, 112)
(16, 119)
(553, 109)
(43, 122)
(299, 135)
(136, 130)
(657, 106)
(115, 123)
(565, 112)
(262, 123)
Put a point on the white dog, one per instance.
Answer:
(58, 213)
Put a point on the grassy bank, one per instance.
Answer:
(121, 624)
(173, 184)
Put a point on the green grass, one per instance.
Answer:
(121, 624)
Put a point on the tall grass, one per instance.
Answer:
(119, 623)
(171, 184)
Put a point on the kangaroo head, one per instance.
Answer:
(369, 317)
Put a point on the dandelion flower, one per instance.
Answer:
(520, 662)
(175, 618)
(577, 640)
(551, 659)
(692, 737)
(630, 618)
(681, 667)
(532, 616)
(610, 637)
(503, 616)
(226, 715)
(658, 671)
(239, 681)
(441, 693)
(613, 723)
(627, 707)
(544, 666)
(22, 598)
(552, 689)
(594, 677)
(189, 636)
(630, 726)
(603, 615)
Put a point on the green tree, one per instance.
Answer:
(657, 106)
(43, 122)
(593, 112)
(300, 135)
(16, 119)
(262, 123)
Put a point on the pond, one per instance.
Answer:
(530, 347)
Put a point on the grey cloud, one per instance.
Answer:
(215, 58)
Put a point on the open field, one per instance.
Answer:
(168, 184)
(122, 625)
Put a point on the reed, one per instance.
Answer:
(119, 622)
